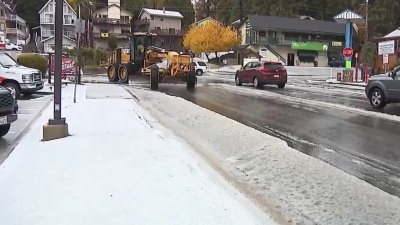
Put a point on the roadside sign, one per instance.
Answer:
(385, 59)
(348, 52)
(386, 47)
(68, 67)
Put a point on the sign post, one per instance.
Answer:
(348, 17)
(356, 56)
(385, 49)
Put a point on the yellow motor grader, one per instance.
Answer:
(142, 58)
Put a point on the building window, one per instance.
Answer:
(123, 31)
(48, 18)
(67, 19)
(49, 8)
(2, 13)
(2, 26)
(125, 18)
(152, 17)
(103, 31)
(162, 19)
(157, 28)
(171, 30)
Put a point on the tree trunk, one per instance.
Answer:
(208, 59)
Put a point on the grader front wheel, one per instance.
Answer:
(191, 79)
(112, 73)
(123, 74)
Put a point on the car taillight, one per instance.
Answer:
(263, 70)
(1, 79)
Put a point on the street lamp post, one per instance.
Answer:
(57, 126)
(58, 63)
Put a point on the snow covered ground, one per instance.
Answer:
(296, 187)
(119, 166)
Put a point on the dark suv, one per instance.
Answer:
(384, 88)
(8, 110)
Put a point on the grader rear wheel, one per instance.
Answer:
(123, 74)
(154, 78)
(112, 72)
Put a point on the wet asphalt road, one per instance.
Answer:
(364, 146)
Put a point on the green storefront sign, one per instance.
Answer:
(313, 46)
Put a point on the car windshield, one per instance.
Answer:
(7, 61)
(202, 63)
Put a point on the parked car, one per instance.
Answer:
(200, 67)
(20, 79)
(384, 88)
(337, 62)
(261, 73)
(11, 46)
(8, 110)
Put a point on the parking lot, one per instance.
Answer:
(29, 109)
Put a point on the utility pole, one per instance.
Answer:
(241, 10)
(57, 127)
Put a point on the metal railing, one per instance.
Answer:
(168, 32)
(111, 21)
(11, 17)
(47, 33)
(142, 22)
(18, 32)
(47, 20)
(275, 41)
(105, 35)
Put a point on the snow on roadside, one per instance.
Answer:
(116, 168)
(279, 97)
(289, 184)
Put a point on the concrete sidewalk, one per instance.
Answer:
(117, 167)
(358, 84)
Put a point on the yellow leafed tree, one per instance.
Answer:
(211, 37)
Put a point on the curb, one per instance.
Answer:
(18, 139)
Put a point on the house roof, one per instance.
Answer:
(393, 34)
(106, 7)
(164, 13)
(207, 18)
(295, 24)
(48, 2)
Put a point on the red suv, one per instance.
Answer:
(261, 73)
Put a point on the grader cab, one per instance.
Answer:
(142, 58)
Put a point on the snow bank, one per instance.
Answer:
(291, 185)
(115, 168)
